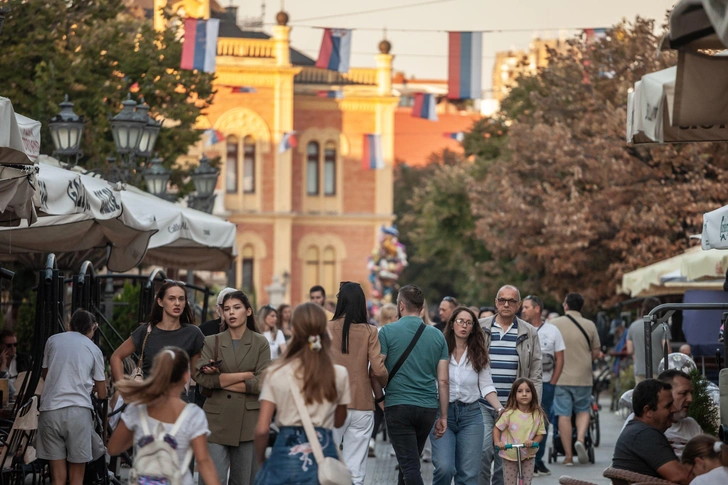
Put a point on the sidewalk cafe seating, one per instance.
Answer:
(573, 481)
(17, 455)
(626, 477)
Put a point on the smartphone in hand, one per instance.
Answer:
(213, 364)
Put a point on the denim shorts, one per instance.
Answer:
(570, 400)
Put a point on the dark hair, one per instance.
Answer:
(316, 288)
(490, 309)
(412, 298)
(279, 313)
(186, 318)
(168, 368)
(703, 446)
(6, 333)
(537, 301)
(649, 304)
(452, 300)
(352, 305)
(534, 407)
(477, 353)
(669, 375)
(239, 295)
(263, 313)
(647, 393)
(574, 301)
(82, 321)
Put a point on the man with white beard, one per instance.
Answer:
(683, 428)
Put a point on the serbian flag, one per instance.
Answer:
(465, 65)
(199, 47)
(244, 89)
(425, 106)
(457, 135)
(213, 136)
(594, 35)
(288, 141)
(331, 93)
(372, 158)
(335, 50)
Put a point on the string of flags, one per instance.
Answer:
(199, 47)
(213, 136)
(372, 157)
(244, 89)
(331, 93)
(288, 141)
(335, 50)
(457, 135)
(425, 106)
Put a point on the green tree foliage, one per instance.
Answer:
(703, 409)
(95, 52)
(25, 326)
(125, 318)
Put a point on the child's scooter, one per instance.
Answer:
(518, 457)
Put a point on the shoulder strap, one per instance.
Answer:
(217, 347)
(180, 420)
(144, 344)
(407, 351)
(588, 340)
(313, 441)
(144, 419)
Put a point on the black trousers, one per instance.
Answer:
(408, 428)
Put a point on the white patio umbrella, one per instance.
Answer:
(82, 216)
(698, 24)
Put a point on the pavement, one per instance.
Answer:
(381, 470)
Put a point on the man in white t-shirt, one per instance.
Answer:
(683, 428)
(552, 362)
(73, 367)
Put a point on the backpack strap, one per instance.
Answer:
(144, 419)
(173, 432)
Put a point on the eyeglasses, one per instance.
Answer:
(463, 322)
(506, 301)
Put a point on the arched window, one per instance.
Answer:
(328, 278)
(311, 268)
(330, 168)
(312, 168)
(249, 165)
(248, 267)
(231, 166)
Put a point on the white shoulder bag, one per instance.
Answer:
(331, 471)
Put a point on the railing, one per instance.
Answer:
(316, 75)
(261, 48)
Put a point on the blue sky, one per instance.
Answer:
(424, 55)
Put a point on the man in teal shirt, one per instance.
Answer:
(412, 401)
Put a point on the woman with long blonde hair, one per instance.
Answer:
(307, 368)
(157, 400)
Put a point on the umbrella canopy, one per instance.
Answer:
(715, 229)
(698, 24)
(82, 216)
(692, 265)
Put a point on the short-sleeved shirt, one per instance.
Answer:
(277, 389)
(678, 434)
(415, 383)
(551, 342)
(275, 342)
(518, 427)
(195, 425)
(577, 355)
(642, 449)
(74, 362)
(636, 334)
(188, 338)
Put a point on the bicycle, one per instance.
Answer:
(518, 457)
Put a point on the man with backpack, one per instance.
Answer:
(573, 393)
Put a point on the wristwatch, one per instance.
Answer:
(500, 410)
(379, 399)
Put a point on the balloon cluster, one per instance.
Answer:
(386, 263)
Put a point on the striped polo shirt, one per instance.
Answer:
(503, 359)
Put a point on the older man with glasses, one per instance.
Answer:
(514, 352)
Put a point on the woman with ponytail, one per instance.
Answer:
(355, 345)
(707, 459)
(231, 367)
(157, 398)
(307, 369)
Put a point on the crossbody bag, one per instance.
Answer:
(588, 340)
(138, 373)
(404, 356)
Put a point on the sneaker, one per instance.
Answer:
(541, 469)
(372, 454)
(581, 452)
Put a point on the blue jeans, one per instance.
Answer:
(547, 403)
(408, 428)
(490, 457)
(458, 453)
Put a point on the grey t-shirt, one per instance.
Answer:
(642, 449)
(188, 338)
(636, 333)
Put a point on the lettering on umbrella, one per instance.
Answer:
(77, 195)
(109, 205)
(178, 226)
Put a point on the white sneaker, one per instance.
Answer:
(581, 452)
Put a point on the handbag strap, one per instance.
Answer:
(217, 348)
(407, 351)
(588, 340)
(318, 452)
(144, 344)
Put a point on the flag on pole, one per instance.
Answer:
(335, 50)
(465, 65)
(213, 136)
(331, 93)
(199, 47)
(457, 135)
(372, 158)
(244, 89)
(288, 141)
(595, 35)
(425, 106)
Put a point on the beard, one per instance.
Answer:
(679, 416)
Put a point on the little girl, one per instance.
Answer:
(523, 421)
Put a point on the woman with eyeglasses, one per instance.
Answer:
(355, 345)
(268, 324)
(457, 453)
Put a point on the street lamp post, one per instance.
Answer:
(156, 178)
(205, 179)
(66, 132)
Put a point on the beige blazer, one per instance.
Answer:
(232, 416)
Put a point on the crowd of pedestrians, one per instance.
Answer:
(269, 383)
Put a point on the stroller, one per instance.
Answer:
(557, 448)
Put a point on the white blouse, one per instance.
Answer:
(466, 385)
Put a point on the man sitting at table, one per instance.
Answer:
(642, 446)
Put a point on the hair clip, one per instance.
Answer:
(171, 352)
(717, 446)
(314, 343)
